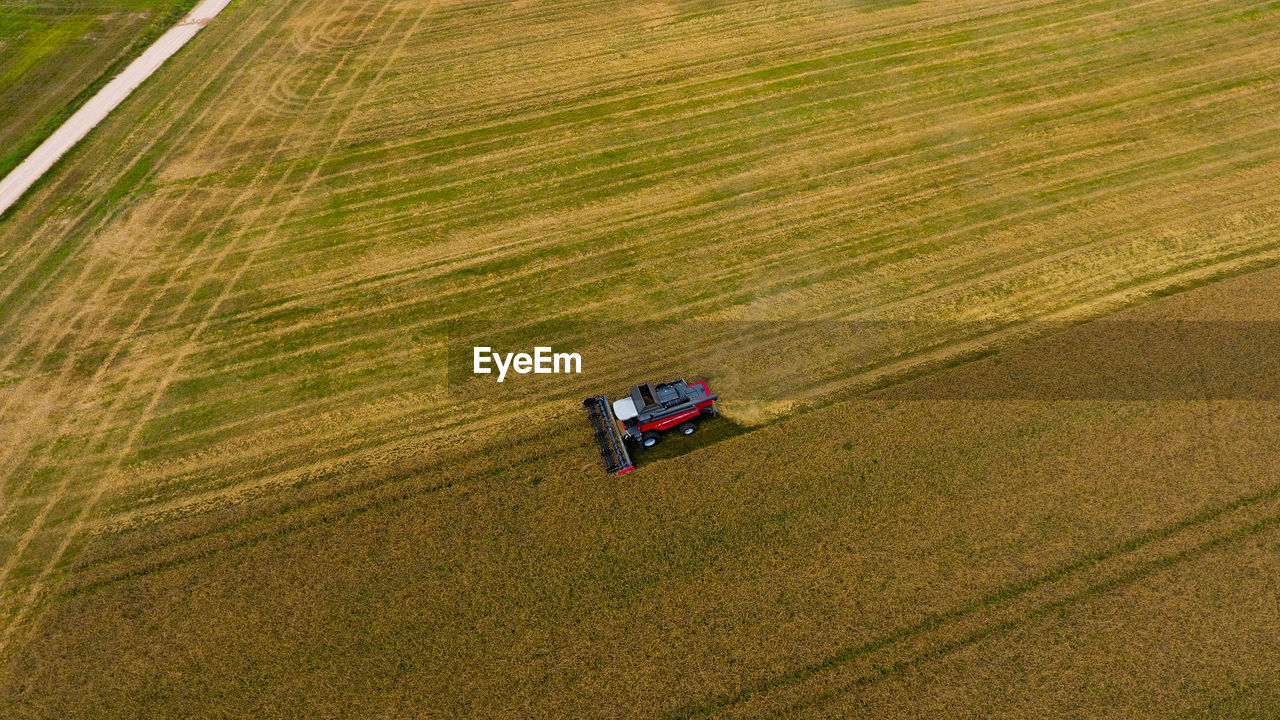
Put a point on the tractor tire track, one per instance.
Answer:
(1091, 575)
(33, 591)
(45, 339)
(100, 488)
(51, 331)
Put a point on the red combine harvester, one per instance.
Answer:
(644, 414)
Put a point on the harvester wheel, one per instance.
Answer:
(688, 428)
(650, 438)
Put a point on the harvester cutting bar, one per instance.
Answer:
(608, 437)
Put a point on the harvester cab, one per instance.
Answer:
(643, 415)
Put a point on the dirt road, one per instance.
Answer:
(100, 105)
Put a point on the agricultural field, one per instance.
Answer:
(53, 55)
(984, 287)
(991, 540)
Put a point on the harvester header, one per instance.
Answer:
(643, 415)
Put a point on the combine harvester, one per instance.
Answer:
(644, 414)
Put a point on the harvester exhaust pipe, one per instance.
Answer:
(612, 447)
